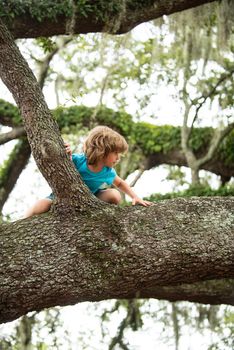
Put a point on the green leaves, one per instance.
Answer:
(39, 10)
(47, 44)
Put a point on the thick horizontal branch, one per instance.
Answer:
(217, 165)
(114, 253)
(91, 16)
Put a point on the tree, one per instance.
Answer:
(41, 267)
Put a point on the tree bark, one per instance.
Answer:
(26, 25)
(115, 252)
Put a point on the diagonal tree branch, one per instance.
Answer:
(41, 128)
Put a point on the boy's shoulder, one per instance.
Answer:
(78, 157)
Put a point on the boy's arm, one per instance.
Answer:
(124, 187)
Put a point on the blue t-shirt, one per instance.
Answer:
(94, 181)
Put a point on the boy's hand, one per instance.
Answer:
(137, 200)
(68, 149)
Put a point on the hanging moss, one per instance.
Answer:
(208, 27)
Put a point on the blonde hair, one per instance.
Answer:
(101, 141)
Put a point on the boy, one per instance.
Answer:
(102, 150)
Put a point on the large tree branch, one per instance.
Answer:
(117, 252)
(87, 18)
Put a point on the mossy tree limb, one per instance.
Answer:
(48, 18)
(157, 144)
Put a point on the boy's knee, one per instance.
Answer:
(41, 206)
(115, 197)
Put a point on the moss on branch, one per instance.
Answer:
(149, 138)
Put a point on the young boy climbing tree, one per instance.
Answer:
(101, 152)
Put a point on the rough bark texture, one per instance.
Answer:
(114, 253)
(27, 26)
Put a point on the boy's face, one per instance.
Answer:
(112, 159)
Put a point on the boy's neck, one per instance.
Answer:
(96, 167)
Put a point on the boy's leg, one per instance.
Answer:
(110, 196)
(41, 206)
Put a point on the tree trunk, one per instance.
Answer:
(115, 252)
(195, 176)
